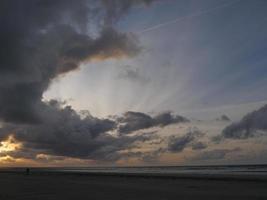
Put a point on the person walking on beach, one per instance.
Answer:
(27, 171)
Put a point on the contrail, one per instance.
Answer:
(188, 17)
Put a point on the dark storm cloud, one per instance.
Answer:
(40, 40)
(64, 133)
(133, 121)
(216, 154)
(179, 143)
(248, 126)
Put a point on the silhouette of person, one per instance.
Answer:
(27, 171)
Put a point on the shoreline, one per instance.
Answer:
(172, 176)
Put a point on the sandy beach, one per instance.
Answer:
(46, 186)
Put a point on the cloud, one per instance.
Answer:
(150, 157)
(41, 40)
(179, 143)
(65, 133)
(224, 118)
(153, 156)
(216, 154)
(247, 127)
(133, 121)
(132, 74)
(199, 146)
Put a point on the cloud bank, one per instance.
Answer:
(248, 127)
(133, 121)
(178, 144)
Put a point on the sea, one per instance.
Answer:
(258, 170)
(218, 169)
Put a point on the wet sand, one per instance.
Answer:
(46, 186)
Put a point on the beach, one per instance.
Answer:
(48, 185)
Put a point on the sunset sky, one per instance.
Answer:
(133, 82)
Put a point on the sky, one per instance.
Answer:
(133, 82)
